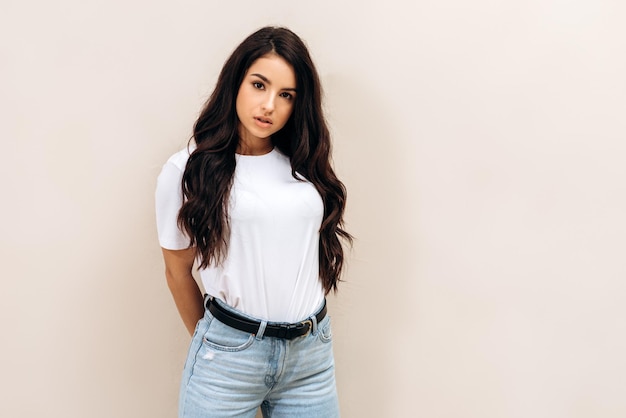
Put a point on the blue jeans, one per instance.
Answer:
(230, 373)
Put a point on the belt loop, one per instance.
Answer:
(207, 299)
(314, 324)
(261, 331)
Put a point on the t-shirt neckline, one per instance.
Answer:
(272, 151)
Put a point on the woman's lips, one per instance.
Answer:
(263, 122)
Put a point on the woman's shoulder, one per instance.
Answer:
(179, 158)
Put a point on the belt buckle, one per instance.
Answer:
(297, 327)
(308, 321)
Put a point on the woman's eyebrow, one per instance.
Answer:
(262, 77)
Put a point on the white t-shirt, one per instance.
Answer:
(272, 268)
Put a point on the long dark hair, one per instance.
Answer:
(305, 139)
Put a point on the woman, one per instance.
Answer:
(255, 201)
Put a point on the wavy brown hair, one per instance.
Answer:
(305, 139)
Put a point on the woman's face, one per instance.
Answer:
(265, 100)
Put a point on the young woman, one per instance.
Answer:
(255, 201)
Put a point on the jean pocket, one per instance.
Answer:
(222, 337)
(324, 331)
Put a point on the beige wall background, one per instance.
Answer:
(483, 146)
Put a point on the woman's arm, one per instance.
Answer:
(182, 285)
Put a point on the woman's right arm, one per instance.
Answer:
(178, 256)
(184, 288)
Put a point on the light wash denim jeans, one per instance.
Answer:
(230, 373)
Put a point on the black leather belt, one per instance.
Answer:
(286, 331)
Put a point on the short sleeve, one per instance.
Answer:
(168, 200)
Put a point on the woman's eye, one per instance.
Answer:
(286, 95)
(257, 85)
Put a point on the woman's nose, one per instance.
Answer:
(268, 104)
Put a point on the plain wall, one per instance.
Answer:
(483, 147)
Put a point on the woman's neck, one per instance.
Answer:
(255, 149)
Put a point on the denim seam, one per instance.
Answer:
(238, 348)
(194, 359)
